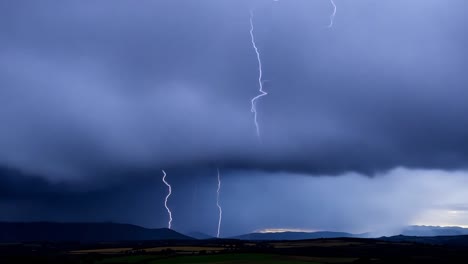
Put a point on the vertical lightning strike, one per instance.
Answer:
(260, 75)
(219, 206)
(332, 16)
(167, 197)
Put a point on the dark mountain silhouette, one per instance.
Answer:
(294, 235)
(200, 235)
(82, 232)
(435, 240)
(434, 231)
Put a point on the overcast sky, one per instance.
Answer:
(364, 127)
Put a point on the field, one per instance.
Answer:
(224, 258)
(318, 251)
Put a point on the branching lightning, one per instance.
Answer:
(167, 197)
(219, 206)
(332, 16)
(260, 75)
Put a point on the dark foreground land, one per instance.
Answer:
(337, 250)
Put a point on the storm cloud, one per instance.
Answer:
(96, 97)
(254, 201)
(90, 87)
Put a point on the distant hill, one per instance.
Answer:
(82, 232)
(294, 235)
(199, 235)
(434, 231)
(435, 240)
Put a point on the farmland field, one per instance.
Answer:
(226, 258)
(318, 251)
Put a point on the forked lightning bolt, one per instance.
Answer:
(260, 75)
(167, 198)
(332, 16)
(219, 206)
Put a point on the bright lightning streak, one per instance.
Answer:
(167, 197)
(332, 16)
(260, 75)
(217, 204)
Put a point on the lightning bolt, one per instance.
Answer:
(260, 76)
(332, 16)
(167, 197)
(217, 204)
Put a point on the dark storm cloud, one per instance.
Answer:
(89, 89)
(137, 198)
(254, 201)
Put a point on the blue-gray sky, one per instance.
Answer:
(97, 97)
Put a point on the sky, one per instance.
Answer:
(363, 128)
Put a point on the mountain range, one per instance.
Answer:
(294, 235)
(83, 232)
(434, 231)
(114, 232)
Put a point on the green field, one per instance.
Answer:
(319, 251)
(220, 258)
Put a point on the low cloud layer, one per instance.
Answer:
(253, 201)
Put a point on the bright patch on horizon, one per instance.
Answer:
(283, 230)
(443, 218)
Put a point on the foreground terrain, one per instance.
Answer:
(336, 250)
